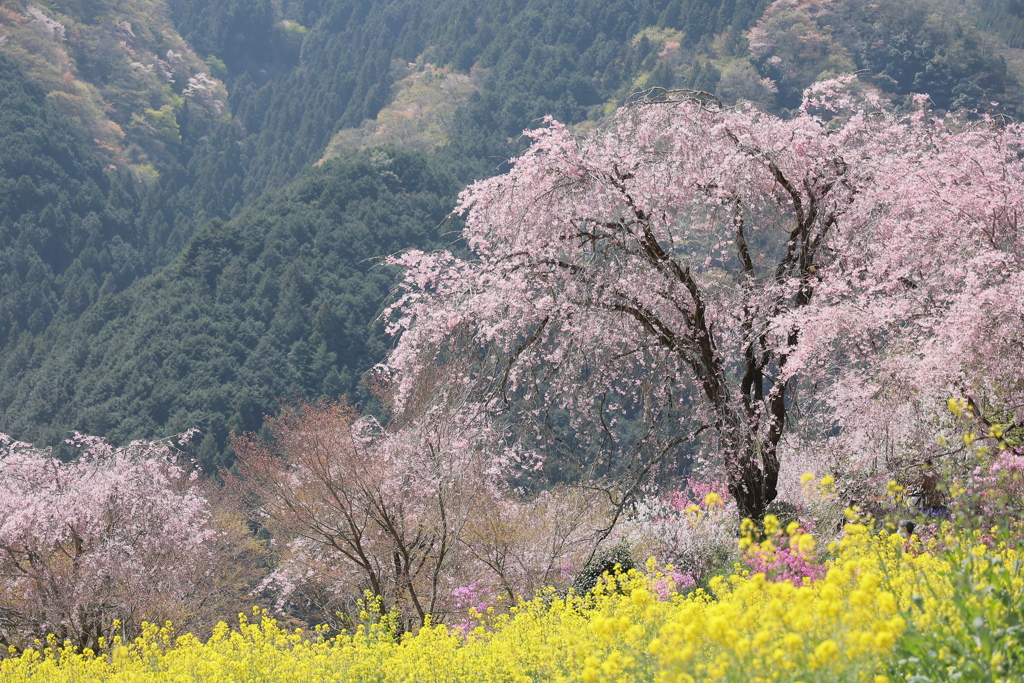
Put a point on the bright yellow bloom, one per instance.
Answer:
(954, 406)
(844, 627)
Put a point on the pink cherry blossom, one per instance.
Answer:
(687, 272)
(115, 534)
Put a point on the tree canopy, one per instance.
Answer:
(664, 270)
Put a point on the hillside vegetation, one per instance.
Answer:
(279, 300)
(285, 105)
(159, 128)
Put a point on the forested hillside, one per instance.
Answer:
(66, 232)
(1005, 18)
(170, 260)
(901, 47)
(279, 300)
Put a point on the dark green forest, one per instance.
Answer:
(1005, 18)
(280, 299)
(237, 271)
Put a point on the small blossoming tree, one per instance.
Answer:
(362, 509)
(415, 515)
(117, 534)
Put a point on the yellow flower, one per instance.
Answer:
(825, 651)
(792, 642)
(954, 407)
(805, 544)
(743, 628)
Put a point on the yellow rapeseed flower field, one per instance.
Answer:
(847, 626)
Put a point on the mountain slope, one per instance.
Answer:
(279, 300)
(203, 290)
(66, 233)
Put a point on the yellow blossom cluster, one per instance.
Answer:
(847, 626)
(968, 626)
